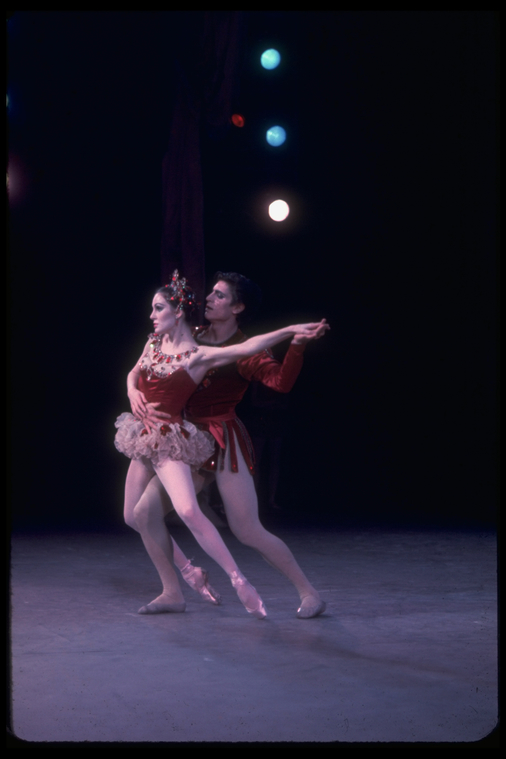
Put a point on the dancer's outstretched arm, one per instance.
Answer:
(276, 375)
(210, 358)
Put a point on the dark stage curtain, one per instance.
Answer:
(206, 71)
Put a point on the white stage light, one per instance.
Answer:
(279, 210)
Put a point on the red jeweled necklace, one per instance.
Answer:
(159, 357)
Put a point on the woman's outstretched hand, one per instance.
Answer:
(311, 331)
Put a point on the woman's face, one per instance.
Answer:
(163, 315)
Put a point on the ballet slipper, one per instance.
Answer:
(248, 596)
(153, 608)
(158, 607)
(311, 607)
(197, 579)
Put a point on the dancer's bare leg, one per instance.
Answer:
(139, 475)
(145, 511)
(161, 503)
(177, 480)
(237, 490)
(154, 505)
(157, 492)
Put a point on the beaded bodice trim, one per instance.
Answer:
(156, 362)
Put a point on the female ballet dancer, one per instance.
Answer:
(169, 371)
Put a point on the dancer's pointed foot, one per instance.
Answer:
(163, 605)
(197, 579)
(311, 606)
(248, 596)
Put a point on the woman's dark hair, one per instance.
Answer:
(181, 297)
(243, 291)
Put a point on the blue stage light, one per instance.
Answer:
(270, 59)
(275, 136)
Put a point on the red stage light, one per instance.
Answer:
(238, 120)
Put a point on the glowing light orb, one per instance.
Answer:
(238, 120)
(279, 210)
(275, 136)
(270, 59)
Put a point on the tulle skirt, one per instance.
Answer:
(178, 442)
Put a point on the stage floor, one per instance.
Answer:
(406, 651)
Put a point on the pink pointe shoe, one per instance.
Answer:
(197, 579)
(248, 595)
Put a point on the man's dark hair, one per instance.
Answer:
(243, 291)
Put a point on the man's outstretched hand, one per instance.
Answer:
(304, 337)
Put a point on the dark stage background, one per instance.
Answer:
(391, 166)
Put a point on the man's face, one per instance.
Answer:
(219, 306)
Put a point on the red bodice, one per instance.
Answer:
(171, 392)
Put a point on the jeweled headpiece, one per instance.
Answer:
(182, 294)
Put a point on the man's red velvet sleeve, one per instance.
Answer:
(264, 368)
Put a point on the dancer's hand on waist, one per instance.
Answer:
(138, 402)
(152, 416)
(144, 411)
